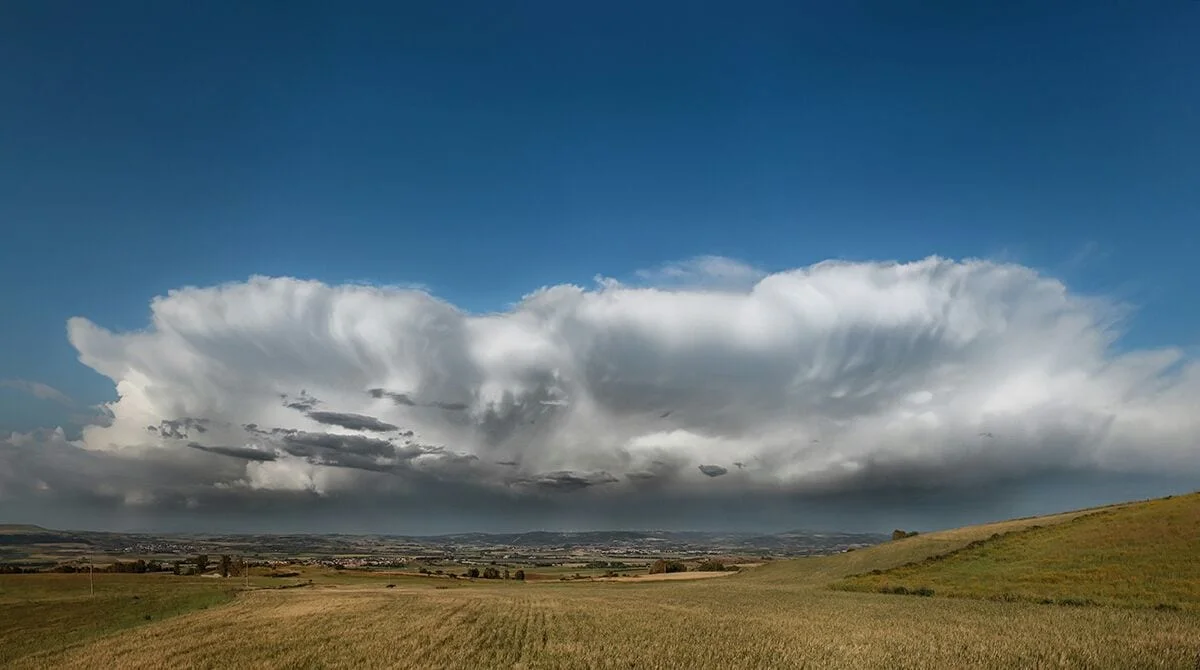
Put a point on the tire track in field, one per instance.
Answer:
(447, 623)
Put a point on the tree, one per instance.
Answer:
(491, 573)
(711, 565)
(506, 575)
(519, 576)
(473, 573)
(662, 566)
(201, 563)
(226, 564)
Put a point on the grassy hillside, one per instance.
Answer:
(1141, 554)
(825, 569)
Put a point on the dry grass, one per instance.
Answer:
(780, 615)
(723, 623)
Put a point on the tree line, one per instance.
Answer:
(475, 573)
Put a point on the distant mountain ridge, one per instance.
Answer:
(792, 542)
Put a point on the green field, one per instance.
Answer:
(785, 614)
(50, 611)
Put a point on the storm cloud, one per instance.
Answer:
(566, 481)
(245, 453)
(351, 421)
(704, 379)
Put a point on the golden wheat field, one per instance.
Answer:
(781, 615)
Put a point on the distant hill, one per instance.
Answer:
(16, 528)
(1141, 554)
(22, 534)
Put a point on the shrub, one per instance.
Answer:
(711, 565)
(473, 573)
(520, 575)
(900, 534)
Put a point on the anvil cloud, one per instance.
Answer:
(705, 378)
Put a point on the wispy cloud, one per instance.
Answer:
(707, 271)
(38, 390)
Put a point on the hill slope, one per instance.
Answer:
(1143, 554)
(825, 569)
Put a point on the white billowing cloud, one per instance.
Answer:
(287, 474)
(833, 376)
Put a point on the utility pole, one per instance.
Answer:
(91, 581)
(246, 571)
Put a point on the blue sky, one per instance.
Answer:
(485, 151)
